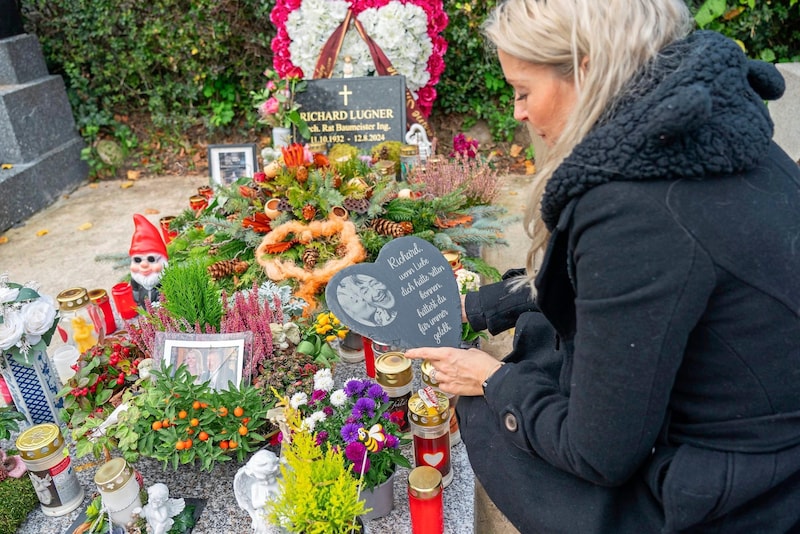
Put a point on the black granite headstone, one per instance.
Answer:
(407, 298)
(358, 111)
(10, 19)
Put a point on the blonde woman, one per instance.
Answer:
(653, 382)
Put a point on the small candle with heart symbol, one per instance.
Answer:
(393, 372)
(429, 415)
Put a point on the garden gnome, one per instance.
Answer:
(160, 509)
(148, 259)
(255, 485)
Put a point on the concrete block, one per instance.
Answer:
(785, 112)
(21, 60)
(27, 188)
(34, 118)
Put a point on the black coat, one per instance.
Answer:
(656, 387)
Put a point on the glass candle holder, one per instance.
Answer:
(198, 203)
(79, 323)
(429, 414)
(119, 490)
(103, 303)
(393, 372)
(168, 234)
(425, 502)
(123, 300)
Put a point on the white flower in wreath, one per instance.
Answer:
(399, 29)
(38, 317)
(8, 294)
(11, 329)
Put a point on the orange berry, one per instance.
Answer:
(182, 414)
(187, 444)
(204, 405)
(180, 446)
(203, 436)
(223, 411)
(156, 425)
(194, 421)
(190, 431)
(245, 420)
(232, 444)
(242, 430)
(238, 411)
(224, 444)
(165, 423)
(196, 405)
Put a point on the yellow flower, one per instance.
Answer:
(342, 333)
(330, 338)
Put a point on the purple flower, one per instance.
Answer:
(356, 452)
(391, 441)
(364, 407)
(328, 411)
(375, 391)
(322, 437)
(354, 387)
(318, 395)
(349, 432)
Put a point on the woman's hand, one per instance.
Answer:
(458, 371)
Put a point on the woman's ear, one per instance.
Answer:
(583, 69)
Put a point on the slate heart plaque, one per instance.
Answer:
(408, 298)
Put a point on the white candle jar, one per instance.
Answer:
(119, 490)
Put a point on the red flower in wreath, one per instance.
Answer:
(407, 31)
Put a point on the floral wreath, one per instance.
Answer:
(406, 31)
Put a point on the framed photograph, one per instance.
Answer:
(228, 163)
(214, 358)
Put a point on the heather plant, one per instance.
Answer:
(249, 313)
(474, 177)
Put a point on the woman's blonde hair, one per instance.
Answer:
(615, 39)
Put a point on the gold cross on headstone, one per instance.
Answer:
(345, 93)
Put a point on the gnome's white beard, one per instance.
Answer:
(148, 282)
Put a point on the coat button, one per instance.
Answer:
(511, 422)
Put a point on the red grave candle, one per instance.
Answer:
(429, 415)
(425, 502)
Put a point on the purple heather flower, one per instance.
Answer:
(375, 391)
(364, 406)
(349, 432)
(354, 387)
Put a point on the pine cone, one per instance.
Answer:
(213, 251)
(341, 251)
(310, 257)
(224, 268)
(302, 174)
(391, 228)
(309, 211)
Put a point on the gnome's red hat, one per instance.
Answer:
(146, 238)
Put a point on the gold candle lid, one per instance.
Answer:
(385, 167)
(425, 368)
(424, 482)
(421, 414)
(409, 150)
(318, 148)
(39, 441)
(393, 369)
(113, 475)
(98, 295)
(73, 298)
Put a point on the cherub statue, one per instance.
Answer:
(160, 509)
(255, 485)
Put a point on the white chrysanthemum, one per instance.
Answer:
(298, 399)
(338, 398)
(323, 380)
(310, 422)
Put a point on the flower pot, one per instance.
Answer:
(380, 499)
(34, 388)
(346, 354)
(281, 137)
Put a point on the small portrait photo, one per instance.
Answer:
(366, 300)
(214, 358)
(228, 163)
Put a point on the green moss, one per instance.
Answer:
(18, 498)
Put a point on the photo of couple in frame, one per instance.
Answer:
(214, 358)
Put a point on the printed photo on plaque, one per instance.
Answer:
(407, 298)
